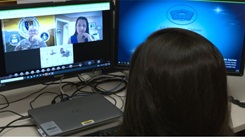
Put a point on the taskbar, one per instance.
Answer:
(64, 69)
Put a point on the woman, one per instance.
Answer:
(81, 32)
(177, 86)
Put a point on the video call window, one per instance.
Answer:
(53, 30)
(51, 33)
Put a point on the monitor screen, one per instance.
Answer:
(220, 22)
(42, 41)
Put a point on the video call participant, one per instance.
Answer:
(177, 86)
(34, 41)
(81, 32)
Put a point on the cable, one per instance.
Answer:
(122, 100)
(14, 101)
(60, 85)
(55, 83)
(70, 84)
(42, 94)
(15, 126)
(26, 96)
(114, 90)
(79, 89)
(237, 102)
(80, 77)
(115, 101)
(7, 102)
(12, 112)
(62, 93)
(84, 83)
(21, 118)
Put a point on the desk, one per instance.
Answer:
(236, 86)
(23, 106)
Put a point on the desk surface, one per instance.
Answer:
(236, 87)
(23, 106)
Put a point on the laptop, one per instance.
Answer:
(75, 115)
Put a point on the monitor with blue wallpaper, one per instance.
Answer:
(223, 23)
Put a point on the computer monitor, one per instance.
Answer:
(43, 41)
(223, 23)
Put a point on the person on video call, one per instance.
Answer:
(32, 42)
(177, 86)
(81, 32)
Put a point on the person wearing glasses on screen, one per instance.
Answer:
(81, 32)
(177, 86)
(34, 41)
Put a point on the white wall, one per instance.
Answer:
(236, 87)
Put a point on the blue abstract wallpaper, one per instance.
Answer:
(220, 22)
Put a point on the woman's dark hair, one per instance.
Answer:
(86, 20)
(177, 86)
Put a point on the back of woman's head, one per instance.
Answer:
(177, 86)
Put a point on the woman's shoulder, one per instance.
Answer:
(73, 39)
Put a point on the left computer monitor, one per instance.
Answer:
(42, 41)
